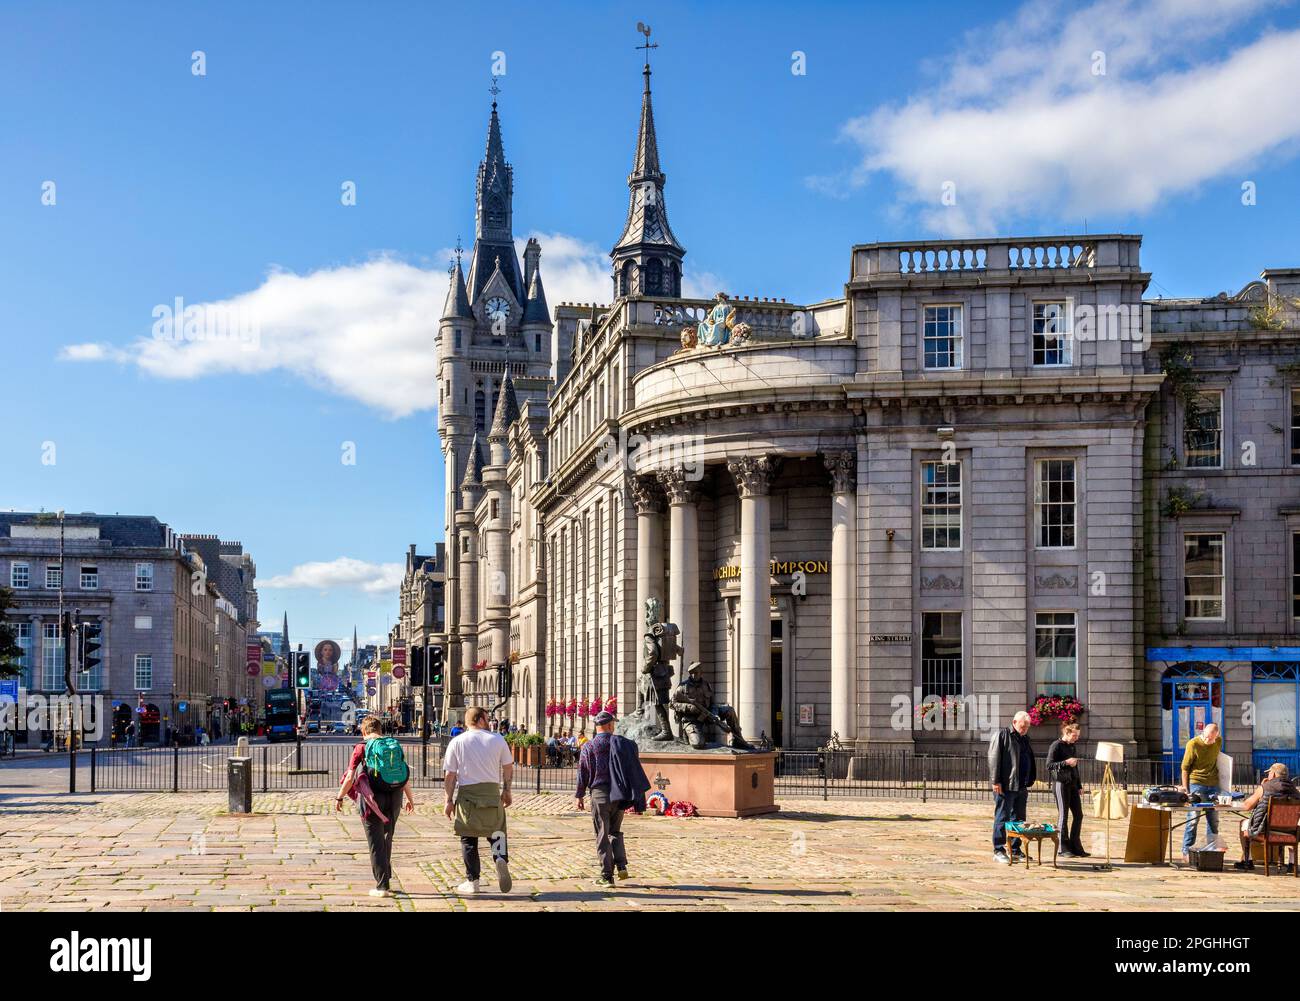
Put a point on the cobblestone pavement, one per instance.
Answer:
(163, 851)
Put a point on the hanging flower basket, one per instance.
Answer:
(552, 708)
(584, 708)
(611, 704)
(1061, 708)
(596, 706)
(481, 664)
(940, 708)
(571, 709)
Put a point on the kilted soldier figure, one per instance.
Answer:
(660, 646)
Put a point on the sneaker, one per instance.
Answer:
(1001, 857)
(1246, 865)
(1081, 853)
(1067, 854)
(377, 892)
(468, 888)
(503, 875)
(604, 882)
(622, 874)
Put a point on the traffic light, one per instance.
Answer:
(303, 679)
(92, 639)
(435, 667)
(416, 667)
(505, 680)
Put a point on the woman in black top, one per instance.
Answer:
(1063, 770)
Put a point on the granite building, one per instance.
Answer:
(890, 518)
(170, 635)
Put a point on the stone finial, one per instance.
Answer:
(678, 483)
(647, 494)
(753, 473)
(843, 467)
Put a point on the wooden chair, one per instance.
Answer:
(1281, 828)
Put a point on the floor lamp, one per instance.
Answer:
(1109, 753)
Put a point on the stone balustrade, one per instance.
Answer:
(1012, 254)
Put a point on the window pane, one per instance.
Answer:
(1056, 664)
(1275, 716)
(941, 654)
(1203, 431)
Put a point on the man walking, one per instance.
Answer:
(472, 764)
(609, 768)
(1011, 772)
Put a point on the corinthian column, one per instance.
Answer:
(753, 475)
(684, 559)
(843, 469)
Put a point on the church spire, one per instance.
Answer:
(493, 221)
(647, 258)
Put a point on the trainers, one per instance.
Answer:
(622, 874)
(503, 875)
(468, 888)
(377, 892)
(1067, 854)
(604, 882)
(1001, 857)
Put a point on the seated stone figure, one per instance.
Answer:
(697, 715)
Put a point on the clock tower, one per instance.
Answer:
(494, 350)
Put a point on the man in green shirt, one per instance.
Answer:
(1201, 780)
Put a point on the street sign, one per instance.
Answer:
(182, 706)
(399, 671)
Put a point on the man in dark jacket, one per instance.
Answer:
(596, 767)
(1011, 772)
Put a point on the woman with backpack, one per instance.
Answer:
(378, 776)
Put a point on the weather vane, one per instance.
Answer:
(494, 90)
(451, 268)
(645, 30)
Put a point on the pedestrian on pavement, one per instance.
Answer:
(378, 777)
(130, 734)
(1011, 772)
(609, 768)
(473, 764)
(1063, 768)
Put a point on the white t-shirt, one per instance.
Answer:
(477, 756)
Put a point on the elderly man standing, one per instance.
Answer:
(1011, 772)
(473, 763)
(1201, 780)
(609, 768)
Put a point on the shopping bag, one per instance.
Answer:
(1109, 801)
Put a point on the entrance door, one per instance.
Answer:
(1193, 703)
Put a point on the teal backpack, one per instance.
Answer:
(386, 764)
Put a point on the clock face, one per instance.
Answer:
(498, 309)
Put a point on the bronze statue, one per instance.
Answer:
(692, 704)
(660, 646)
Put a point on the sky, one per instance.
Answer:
(203, 152)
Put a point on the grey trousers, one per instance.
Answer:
(607, 820)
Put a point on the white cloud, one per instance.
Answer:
(363, 331)
(1023, 127)
(344, 572)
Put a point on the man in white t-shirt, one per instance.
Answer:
(477, 770)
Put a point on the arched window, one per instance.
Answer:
(626, 286)
(480, 409)
(674, 281)
(654, 277)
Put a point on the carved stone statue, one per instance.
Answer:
(696, 713)
(689, 338)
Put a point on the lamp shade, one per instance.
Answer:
(1110, 752)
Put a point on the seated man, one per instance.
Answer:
(692, 704)
(1277, 782)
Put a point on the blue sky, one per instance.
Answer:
(225, 188)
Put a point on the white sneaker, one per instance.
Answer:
(376, 892)
(468, 888)
(503, 875)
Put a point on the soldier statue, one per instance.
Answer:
(692, 704)
(660, 646)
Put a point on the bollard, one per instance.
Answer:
(239, 780)
(241, 748)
